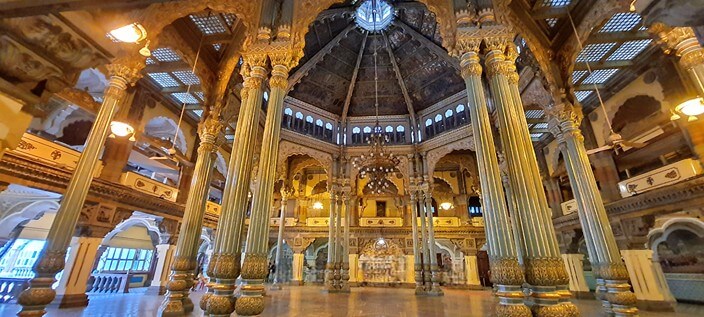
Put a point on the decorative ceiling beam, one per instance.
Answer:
(549, 12)
(23, 8)
(435, 48)
(588, 87)
(401, 83)
(169, 90)
(350, 89)
(305, 68)
(168, 67)
(608, 37)
(604, 65)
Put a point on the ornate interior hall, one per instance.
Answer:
(354, 157)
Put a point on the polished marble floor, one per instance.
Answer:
(308, 301)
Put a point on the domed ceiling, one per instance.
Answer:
(336, 73)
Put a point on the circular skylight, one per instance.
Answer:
(374, 15)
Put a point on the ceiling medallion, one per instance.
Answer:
(378, 165)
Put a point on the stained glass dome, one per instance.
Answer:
(371, 11)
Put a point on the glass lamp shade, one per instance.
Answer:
(317, 205)
(692, 107)
(131, 33)
(446, 205)
(121, 129)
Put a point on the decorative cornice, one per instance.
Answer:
(18, 169)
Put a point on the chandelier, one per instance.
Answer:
(378, 165)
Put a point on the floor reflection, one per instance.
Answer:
(309, 301)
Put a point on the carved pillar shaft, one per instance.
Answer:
(280, 240)
(224, 266)
(176, 302)
(330, 264)
(435, 273)
(417, 265)
(601, 243)
(506, 272)
(544, 267)
(51, 261)
(255, 267)
(345, 269)
(425, 253)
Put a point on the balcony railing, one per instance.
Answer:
(274, 222)
(381, 222)
(664, 176)
(148, 186)
(444, 221)
(213, 208)
(320, 221)
(50, 152)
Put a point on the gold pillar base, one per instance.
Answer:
(435, 277)
(518, 310)
(254, 271)
(250, 305)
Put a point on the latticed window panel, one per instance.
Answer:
(551, 22)
(208, 24)
(184, 97)
(629, 50)
(582, 94)
(229, 19)
(217, 46)
(621, 22)
(187, 77)
(535, 114)
(199, 113)
(536, 136)
(200, 95)
(165, 54)
(164, 80)
(555, 3)
(600, 76)
(577, 75)
(594, 52)
(150, 61)
(542, 125)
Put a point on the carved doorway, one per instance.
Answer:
(483, 268)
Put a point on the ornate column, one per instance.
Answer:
(51, 261)
(503, 258)
(224, 266)
(425, 254)
(255, 267)
(338, 241)
(330, 284)
(176, 302)
(435, 273)
(544, 268)
(601, 243)
(417, 264)
(280, 237)
(345, 267)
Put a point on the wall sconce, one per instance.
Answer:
(317, 205)
(690, 108)
(446, 205)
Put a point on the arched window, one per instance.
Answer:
(328, 132)
(366, 134)
(298, 122)
(319, 128)
(461, 115)
(449, 119)
(439, 124)
(309, 125)
(356, 135)
(389, 134)
(474, 206)
(288, 118)
(400, 134)
(429, 131)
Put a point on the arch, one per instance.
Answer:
(356, 130)
(165, 128)
(137, 219)
(367, 130)
(389, 128)
(428, 122)
(433, 156)
(287, 149)
(448, 113)
(309, 119)
(459, 108)
(400, 128)
(319, 122)
(438, 118)
(288, 111)
(659, 235)
(299, 115)
(220, 164)
(25, 211)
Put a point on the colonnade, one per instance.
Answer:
(337, 267)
